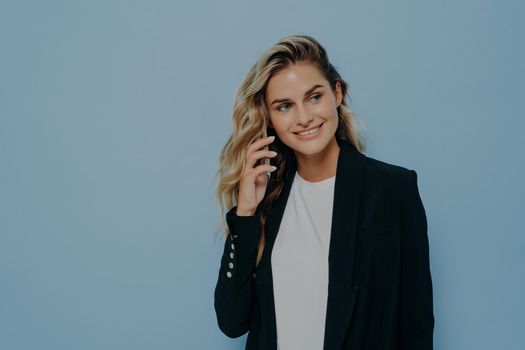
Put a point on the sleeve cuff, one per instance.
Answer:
(244, 230)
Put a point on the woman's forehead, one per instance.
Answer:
(294, 80)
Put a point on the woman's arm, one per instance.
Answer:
(234, 292)
(417, 317)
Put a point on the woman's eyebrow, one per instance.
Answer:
(306, 93)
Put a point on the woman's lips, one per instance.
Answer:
(310, 136)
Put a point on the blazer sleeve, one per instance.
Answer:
(234, 291)
(417, 316)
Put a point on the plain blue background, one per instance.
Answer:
(113, 114)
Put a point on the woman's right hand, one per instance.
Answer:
(254, 178)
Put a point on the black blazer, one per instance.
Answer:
(380, 286)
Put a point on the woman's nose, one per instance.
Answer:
(304, 117)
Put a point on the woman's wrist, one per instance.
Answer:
(244, 212)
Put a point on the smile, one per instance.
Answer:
(309, 134)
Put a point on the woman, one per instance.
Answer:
(325, 248)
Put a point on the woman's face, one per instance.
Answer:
(299, 98)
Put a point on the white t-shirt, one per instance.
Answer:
(300, 265)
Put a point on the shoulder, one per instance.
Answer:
(381, 175)
(385, 171)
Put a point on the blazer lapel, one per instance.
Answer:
(341, 295)
(347, 194)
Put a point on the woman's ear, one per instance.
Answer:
(338, 94)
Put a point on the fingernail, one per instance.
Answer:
(271, 137)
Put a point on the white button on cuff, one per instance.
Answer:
(233, 246)
(230, 265)
(229, 274)
(231, 255)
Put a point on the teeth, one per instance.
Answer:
(308, 132)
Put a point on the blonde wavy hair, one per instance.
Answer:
(250, 116)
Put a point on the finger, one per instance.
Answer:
(260, 157)
(264, 168)
(259, 143)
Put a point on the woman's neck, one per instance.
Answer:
(320, 166)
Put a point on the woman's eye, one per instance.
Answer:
(318, 97)
(279, 108)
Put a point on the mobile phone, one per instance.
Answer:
(266, 159)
